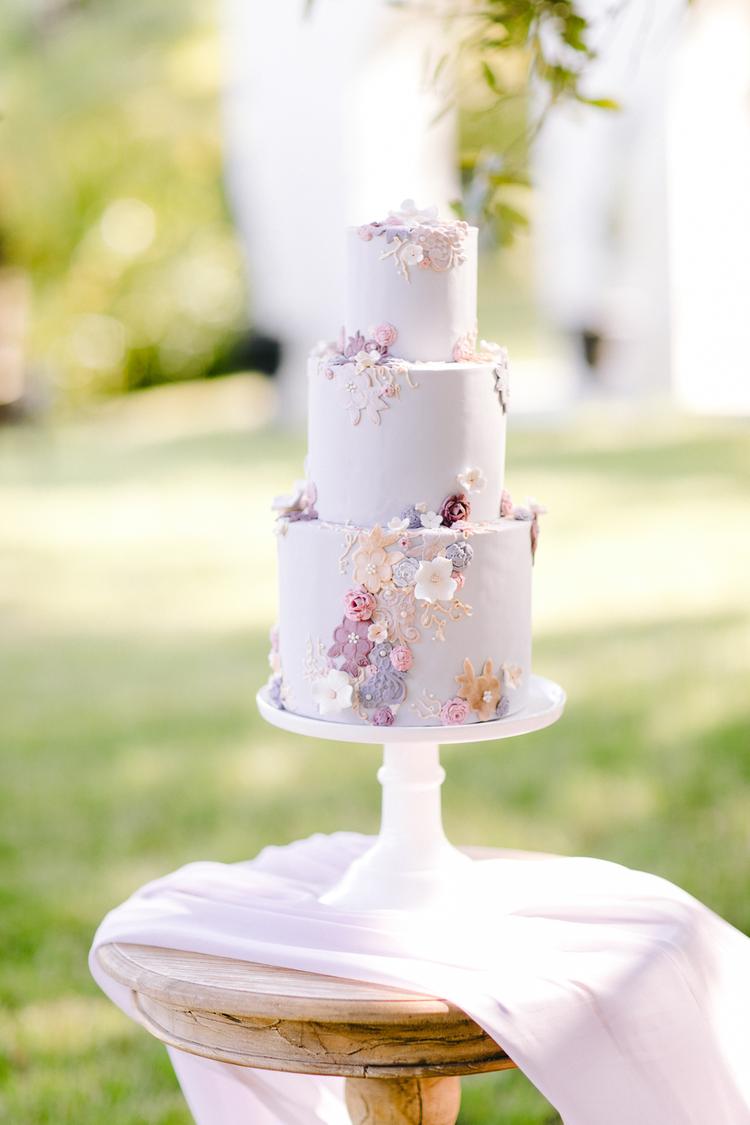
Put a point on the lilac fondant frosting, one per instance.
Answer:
(426, 438)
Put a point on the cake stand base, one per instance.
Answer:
(412, 865)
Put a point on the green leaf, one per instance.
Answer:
(599, 103)
(490, 78)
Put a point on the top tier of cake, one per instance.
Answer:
(418, 272)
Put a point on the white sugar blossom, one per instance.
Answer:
(397, 524)
(408, 213)
(364, 359)
(377, 632)
(535, 507)
(333, 692)
(301, 499)
(512, 675)
(411, 253)
(434, 581)
(472, 480)
(431, 520)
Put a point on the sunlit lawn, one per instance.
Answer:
(137, 586)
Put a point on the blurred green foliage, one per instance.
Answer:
(517, 60)
(110, 189)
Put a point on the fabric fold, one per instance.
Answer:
(622, 998)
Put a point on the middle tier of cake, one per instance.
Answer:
(385, 435)
(400, 627)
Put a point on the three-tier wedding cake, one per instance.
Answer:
(404, 567)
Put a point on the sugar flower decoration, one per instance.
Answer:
(351, 641)
(431, 520)
(460, 554)
(373, 564)
(398, 524)
(455, 509)
(410, 253)
(418, 238)
(377, 632)
(333, 692)
(276, 692)
(410, 215)
(501, 378)
(365, 359)
(512, 675)
(383, 717)
(299, 504)
(435, 581)
(535, 507)
(413, 516)
(404, 572)
(359, 605)
(454, 712)
(385, 335)
(401, 658)
(506, 505)
(481, 692)
(472, 480)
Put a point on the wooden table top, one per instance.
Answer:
(282, 1019)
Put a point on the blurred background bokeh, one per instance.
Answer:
(174, 180)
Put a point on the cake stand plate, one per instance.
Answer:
(411, 864)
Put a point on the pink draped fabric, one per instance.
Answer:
(622, 999)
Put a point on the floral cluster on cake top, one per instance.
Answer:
(415, 237)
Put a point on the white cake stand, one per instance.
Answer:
(412, 865)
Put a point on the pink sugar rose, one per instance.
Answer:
(506, 505)
(455, 509)
(454, 712)
(458, 578)
(385, 335)
(359, 604)
(383, 717)
(365, 233)
(402, 658)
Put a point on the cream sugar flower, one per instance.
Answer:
(472, 480)
(364, 359)
(431, 520)
(409, 213)
(378, 632)
(433, 581)
(512, 675)
(333, 692)
(411, 253)
(397, 524)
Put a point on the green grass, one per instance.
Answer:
(136, 589)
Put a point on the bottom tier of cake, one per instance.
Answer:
(403, 627)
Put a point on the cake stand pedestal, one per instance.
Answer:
(412, 865)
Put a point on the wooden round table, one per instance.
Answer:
(401, 1053)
